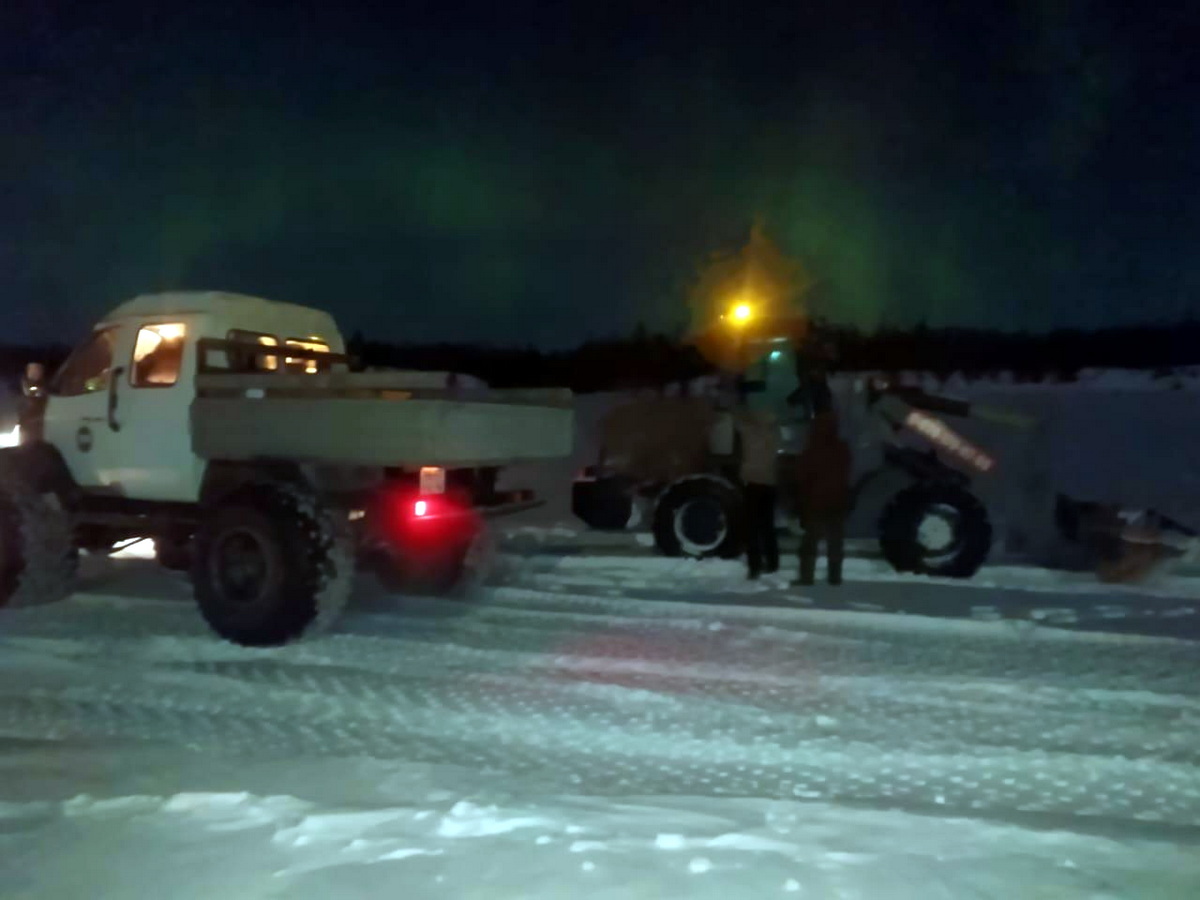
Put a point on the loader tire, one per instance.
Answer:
(270, 565)
(700, 517)
(935, 529)
(37, 557)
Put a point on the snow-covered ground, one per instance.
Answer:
(609, 726)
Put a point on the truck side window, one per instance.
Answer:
(88, 368)
(158, 355)
(249, 361)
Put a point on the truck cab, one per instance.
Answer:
(118, 409)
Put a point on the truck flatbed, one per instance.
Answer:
(375, 419)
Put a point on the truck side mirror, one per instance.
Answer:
(33, 381)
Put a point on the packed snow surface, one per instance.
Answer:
(605, 727)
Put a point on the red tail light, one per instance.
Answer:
(415, 523)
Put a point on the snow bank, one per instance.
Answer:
(203, 845)
(1182, 378)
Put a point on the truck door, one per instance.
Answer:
(76, 417)
(152, 456)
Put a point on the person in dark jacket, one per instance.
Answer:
(824, 497)
(759, 434)
(812, 374)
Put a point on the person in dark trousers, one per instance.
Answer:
(824, 497)
(759, 435)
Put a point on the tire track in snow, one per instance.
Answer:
(621, 696)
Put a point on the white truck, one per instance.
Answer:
(232, 431)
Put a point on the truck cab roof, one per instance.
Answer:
(233, 311)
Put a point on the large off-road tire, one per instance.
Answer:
(270, 564)
(935, 529)
(37, 557)
(700, 517)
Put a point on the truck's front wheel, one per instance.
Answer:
(37, 557)
(269, 565)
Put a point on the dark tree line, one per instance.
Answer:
(640, 361)
(648, 360)
(651, 360)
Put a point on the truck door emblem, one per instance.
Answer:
(83, 439)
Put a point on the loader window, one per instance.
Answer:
(307, 365)
(88, 368)
(158, 355)
(250, 361)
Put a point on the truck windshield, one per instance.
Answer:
(89, 366)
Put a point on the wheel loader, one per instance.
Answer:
(673, 460)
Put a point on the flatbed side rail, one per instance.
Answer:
(229, 370)
(310, 389)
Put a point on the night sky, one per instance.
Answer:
(544, 172)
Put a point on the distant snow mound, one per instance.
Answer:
(1181, 378)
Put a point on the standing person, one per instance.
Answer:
(812, 375)
(759, 434)
(824, 501)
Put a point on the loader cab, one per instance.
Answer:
(770, 383)
(770, 374)
(118, 410)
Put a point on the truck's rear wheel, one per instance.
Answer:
(450, 570)
(269, 565)
(37, 557)
(935, 529)
(699, 517)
